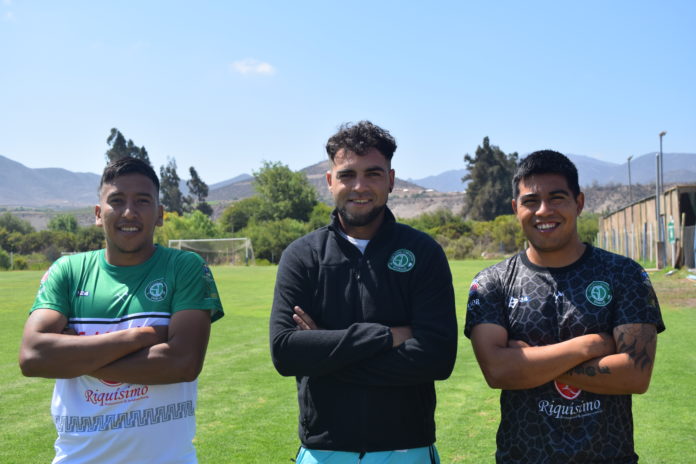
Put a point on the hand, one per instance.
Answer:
(303, 320)
(155, 334)
(400, 334)
(517, 344)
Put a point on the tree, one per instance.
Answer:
(120, 148)
(12, 223)
(489, 191)
(238, 215)
(199, 190)
(284, 193)
(63, 222)
(170, 193)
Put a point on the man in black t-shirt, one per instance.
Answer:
(567, 331)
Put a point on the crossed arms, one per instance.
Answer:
(620, 363)
(365, 353)
(143, 355)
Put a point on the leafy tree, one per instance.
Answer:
(238, 215)
(270, 238)
(63, 222)
(170, 193)
(588, 226)
(284, 193)
(321, 216)
(199, 190)
(489, 191)
(120, 148)
(5, 260)
(189, 226)
(12, 223)
(89, 238)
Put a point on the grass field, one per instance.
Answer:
(247, 413)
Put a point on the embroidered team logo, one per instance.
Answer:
(156, 290)
(598, 293)
(401, 261)
(568, 392)
(474, 287)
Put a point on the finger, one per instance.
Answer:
(300, 322)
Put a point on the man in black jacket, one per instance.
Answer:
(364, 317)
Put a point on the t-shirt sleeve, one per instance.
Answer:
(195, 286)
(636, 300)
(486, 303)
(54, 289)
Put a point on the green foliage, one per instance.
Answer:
(170, 194)
(12, 223)
(89, 238)
(489, 192)
(588, 227)
(5, 259)
(238, 215)
(270, 238)
(189, 226)
(320, 216)
(284, 193)
(63, 222)
(199, 191)
(119, 148)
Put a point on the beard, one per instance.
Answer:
(360, 220)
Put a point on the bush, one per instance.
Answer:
(4, 259)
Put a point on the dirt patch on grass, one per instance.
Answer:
(675, 290)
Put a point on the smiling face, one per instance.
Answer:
(129, 211)
(548, 212)
(360, 185)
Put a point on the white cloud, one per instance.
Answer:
(252, 66)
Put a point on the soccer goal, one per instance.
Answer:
(219, 250)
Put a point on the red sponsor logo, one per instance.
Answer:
(568, 392)
(110, 383)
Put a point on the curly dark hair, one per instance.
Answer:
(546, 162)
(359, 138)
(128, 165)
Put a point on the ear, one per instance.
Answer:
(97, 216)
(160, 216)
(580, 200)
(392, 176)
(514, 205)
(328, 179)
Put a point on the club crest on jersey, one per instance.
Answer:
(598, 293)
(401, 260)
(568, 392)
(156, 290)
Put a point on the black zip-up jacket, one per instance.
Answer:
(355, 392)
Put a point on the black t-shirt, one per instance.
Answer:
(542, 306)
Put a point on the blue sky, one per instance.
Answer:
(224, 85)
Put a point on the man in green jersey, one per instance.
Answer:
(124, 331)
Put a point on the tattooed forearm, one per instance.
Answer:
(589, 371)
(637, 342)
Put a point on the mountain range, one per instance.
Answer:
(58, 188)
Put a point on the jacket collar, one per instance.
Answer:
(387, 223)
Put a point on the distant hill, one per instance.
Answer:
(679, 168)
(45, 187)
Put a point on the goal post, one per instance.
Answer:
(215, 251)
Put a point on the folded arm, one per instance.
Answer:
(627, 371)
(47, 352)
(516, 367)
(178, 359)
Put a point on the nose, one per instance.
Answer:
(129, 211)
(360, 184)
(545, 208)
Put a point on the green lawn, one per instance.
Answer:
(247, 413)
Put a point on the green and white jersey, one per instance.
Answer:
(113, 422)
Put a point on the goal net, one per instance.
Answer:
(219, 250)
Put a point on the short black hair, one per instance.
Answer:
(546, 162)
(128, 165)
(359, 138)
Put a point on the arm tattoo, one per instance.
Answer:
(635, 341)
(589, 371)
